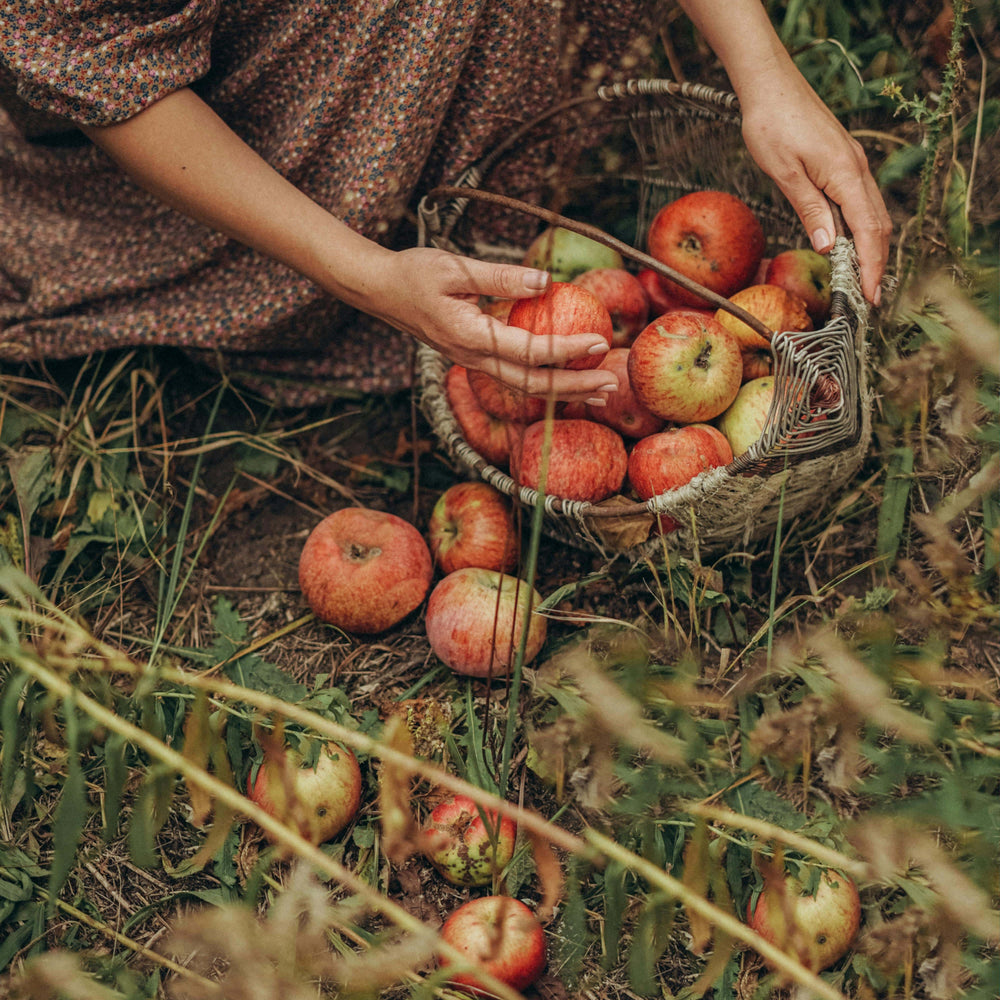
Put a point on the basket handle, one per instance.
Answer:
(598, 235)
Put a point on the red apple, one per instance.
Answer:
(623, 412)
(501, 935)
(660, 299)
(565, 254)
(712, 237)
(586, 460)
(685, 367)
(772, 305)
(472, 525)
(466, 844)
(475, 618)
(818, 929)
(562, 310)
(489, 436)
(624, 298)
(319, 799)
(745, 419)
(804, 273)
(503, 401)
(364, 570)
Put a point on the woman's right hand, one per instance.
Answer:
(434, 296)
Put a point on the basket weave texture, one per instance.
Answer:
(687, 137)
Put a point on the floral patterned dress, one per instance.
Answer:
(363, 104)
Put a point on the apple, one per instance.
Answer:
(466, 844)
(712, 237)
(475, 618)
(804, 273)
(660, 299)
(500, 934)
(503, 401)
(623, 296)
(564, 309)
(745, 419)
(818, 929)
(472, 525)
(318, 800)
(566, 254)
(685, 367)
(486, 434)
(623, 412)
(662, 462)
(585, 461)
(364, 570)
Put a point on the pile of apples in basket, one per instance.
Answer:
(695, 382)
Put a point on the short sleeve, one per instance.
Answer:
(96, 62)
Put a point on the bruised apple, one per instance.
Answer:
(623, 412)
(712, 237)
(562, 310)
(364, 570)
(472, 525)
(623, 296)
(566, 254)
(581, 460)
(500, 934)
(685, 367)
(475, 619)
(488, 435)
(466, 844)
(318, 799)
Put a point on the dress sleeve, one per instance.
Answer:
(97, 62)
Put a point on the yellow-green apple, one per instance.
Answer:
(364, 570)
(489, 436)
(777, 309)
(685, 367)
(819, 928)
(564, 309)
(583, 461)
(565, 254)
(471, 524)
(503, 401)
(804, 273)
(745, 419)
(318, 799)
(475, 619)
(623, 412)
(467, 844)
(624, 298)
(712, 237)
(502, 936)
(664, 461)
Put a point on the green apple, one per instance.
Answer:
(566, 255)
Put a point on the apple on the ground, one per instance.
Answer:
(472, 524)
(817, 929)
(486, 434)
(579, 459)
(475, 619)
(468, 845)
(623, 296)
(318, 800)
(804, 273)
(623, 412)
(712, 237)
(566, 254)
(685, 367)
(364, 570)
(562, 310)
(500, 934)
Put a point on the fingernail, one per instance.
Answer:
(602, 348)
(821, 240)
(536, 280)
(597, 401)
(877, 297)
(608, 388)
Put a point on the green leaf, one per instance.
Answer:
(649, 940)
(31, 473)
(115, 775)
(573, 939)
(892, 513)
(901, 164)
(615, 904)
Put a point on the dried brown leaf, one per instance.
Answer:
(400, 830)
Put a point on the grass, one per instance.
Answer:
(829, 698)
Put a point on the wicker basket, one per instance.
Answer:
(686, 137)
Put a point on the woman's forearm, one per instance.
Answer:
(182, 152)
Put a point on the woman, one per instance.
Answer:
(249, 163)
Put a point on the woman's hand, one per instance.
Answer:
(434, 296)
